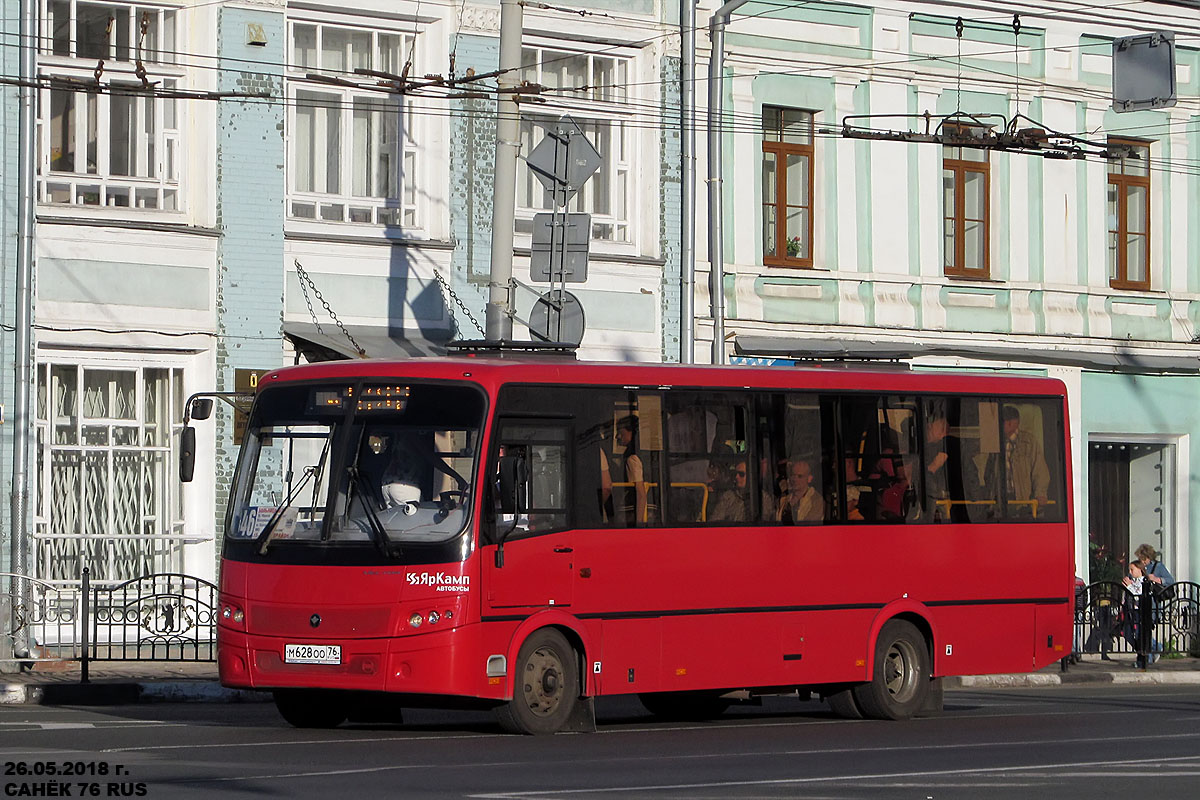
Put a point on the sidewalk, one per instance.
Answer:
(124, 682)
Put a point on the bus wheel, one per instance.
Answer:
(898, 687)
(688, 706)
(844, 705)
(310, 709)
(545, 685)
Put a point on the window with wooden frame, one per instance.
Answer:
(966, 179)
(787, 186)
(1128, 214)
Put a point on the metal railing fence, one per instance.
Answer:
(165, 616)
(1109, 619)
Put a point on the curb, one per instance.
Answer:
(1037, 679)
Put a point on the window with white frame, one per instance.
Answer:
(601, 110)
(107, 497)
(120, 146)
(351, 152)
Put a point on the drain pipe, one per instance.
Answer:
(687, 183)
(23, 336)
(716, 113)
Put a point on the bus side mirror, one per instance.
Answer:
(187, 452)
(202, 408)
(512, 483)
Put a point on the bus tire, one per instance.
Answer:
(545, 685)
(843, 704)
(310, 708)
(684, 706)
(901, 676)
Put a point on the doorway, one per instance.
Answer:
(1131, 501)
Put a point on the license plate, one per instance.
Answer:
(312, 653)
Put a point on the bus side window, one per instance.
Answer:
(544, 450)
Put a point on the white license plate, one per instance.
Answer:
(312, 653)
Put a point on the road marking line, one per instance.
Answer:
(831, 779)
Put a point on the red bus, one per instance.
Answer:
(530, 534)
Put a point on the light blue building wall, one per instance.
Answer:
(250, 205)
(1157, 409)
(879, 207)
(472, 165)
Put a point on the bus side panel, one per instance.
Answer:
(1055, 630)
(826, 646)
(984, 639)
(631, 656)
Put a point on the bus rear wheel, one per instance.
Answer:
(310, 708)
(686, 706)
(901, 676)
(545, 685)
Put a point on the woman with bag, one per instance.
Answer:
(1156, 572)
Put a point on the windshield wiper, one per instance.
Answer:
(264, 538)
(387, 548)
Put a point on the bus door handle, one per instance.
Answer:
(564, 549)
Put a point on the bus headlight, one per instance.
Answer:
(415, 620)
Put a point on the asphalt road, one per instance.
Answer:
(1072, 742)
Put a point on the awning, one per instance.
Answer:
(1114, 359)
(330, 344)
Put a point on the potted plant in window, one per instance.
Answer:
(793, 247)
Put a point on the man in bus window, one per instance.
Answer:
(1027, 476)
(622, 484)
(802, 502)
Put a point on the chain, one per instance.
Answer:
(462, 306)
(1016, 26)
(305, 279)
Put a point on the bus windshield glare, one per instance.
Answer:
(357, 465)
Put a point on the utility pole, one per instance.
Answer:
(23, 339)
(498, 321)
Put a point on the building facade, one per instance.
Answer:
(224, 188)
(874, 208)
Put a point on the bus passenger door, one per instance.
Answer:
(538, 560)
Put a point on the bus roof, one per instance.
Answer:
(491, 373)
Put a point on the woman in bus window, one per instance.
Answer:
(622, 483)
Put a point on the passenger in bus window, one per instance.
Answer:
(937, 473)
(1028, 477)
(727, 499)
(622, 484)
(852, 496)
(802, 502)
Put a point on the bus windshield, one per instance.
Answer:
(357, 465)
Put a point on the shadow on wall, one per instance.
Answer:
(420, 322)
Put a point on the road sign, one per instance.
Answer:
(559, 249)
(563, 160)
(557, 317)
(1143, 71)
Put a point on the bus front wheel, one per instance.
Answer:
(545, 685)
(310, 708)
(901, 677)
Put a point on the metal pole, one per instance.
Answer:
(85, 619)
(687, 184)
(23, 343)
(716, 244)
(508, 133)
